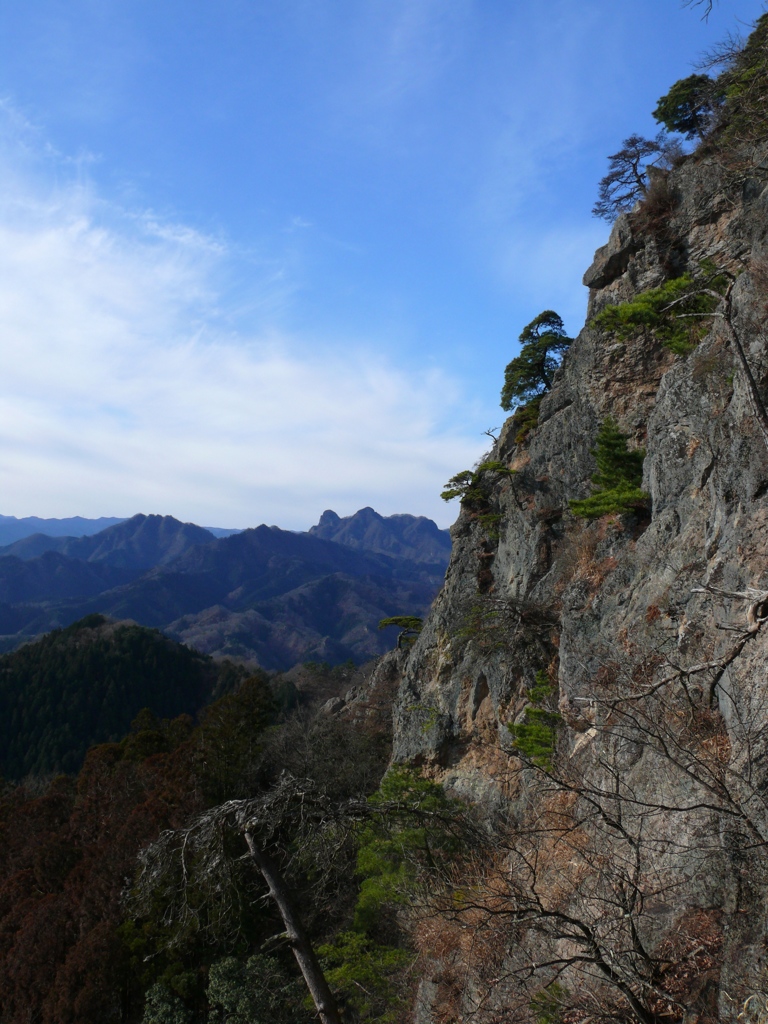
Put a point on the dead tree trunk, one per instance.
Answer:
(321, 994)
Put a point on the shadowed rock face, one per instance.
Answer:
(624, 615)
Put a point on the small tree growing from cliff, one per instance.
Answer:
(473, 486)
(618, 476)
(530, 374)
(690, 105)
(628, 174)
(410, 626)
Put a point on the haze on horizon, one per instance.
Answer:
(259, 260)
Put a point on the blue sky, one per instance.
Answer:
(259, 259)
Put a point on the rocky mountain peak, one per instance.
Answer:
(402, 536)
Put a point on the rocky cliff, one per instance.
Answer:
(625, 873)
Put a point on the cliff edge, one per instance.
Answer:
(626, 870)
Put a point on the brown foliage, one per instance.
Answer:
(65, 856)
(655, 218)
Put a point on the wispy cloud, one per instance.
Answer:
(401, 50)
(127, 386)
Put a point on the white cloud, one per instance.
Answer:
(125, 387)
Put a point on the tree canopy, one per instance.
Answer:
(689, 106)
(530, 374)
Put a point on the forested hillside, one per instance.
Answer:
(85, 684)
(77, 946)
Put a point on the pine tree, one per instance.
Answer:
(530, 374)
(618, 477)
(690, 105)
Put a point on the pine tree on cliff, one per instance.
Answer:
(530, 374)
(690, 105)
(618, 477)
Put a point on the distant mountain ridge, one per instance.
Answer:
(12, 529)
(138, 543)
(404, 536)
(264, 594)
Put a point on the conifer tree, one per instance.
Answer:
(530, 374)
(618, 477)
(690, 105)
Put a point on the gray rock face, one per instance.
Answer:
(648, 630)
(612, 259)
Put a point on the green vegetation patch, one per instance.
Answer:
(535, 737)
(548, 1005)
(366, 972)
(526, 418)
(678, 313)
(392, 846)
(618, 477)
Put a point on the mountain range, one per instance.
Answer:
(13, 529)
(265, 594)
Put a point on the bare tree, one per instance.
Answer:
(200, 872)
(579, 883)
(294, 829)
(627, 179)
(706, 4)
(295, 933)
(723, 55)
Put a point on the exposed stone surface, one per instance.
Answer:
(612, 259)
(614, 608)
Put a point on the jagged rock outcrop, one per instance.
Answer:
(648, 827)
(414, 537)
